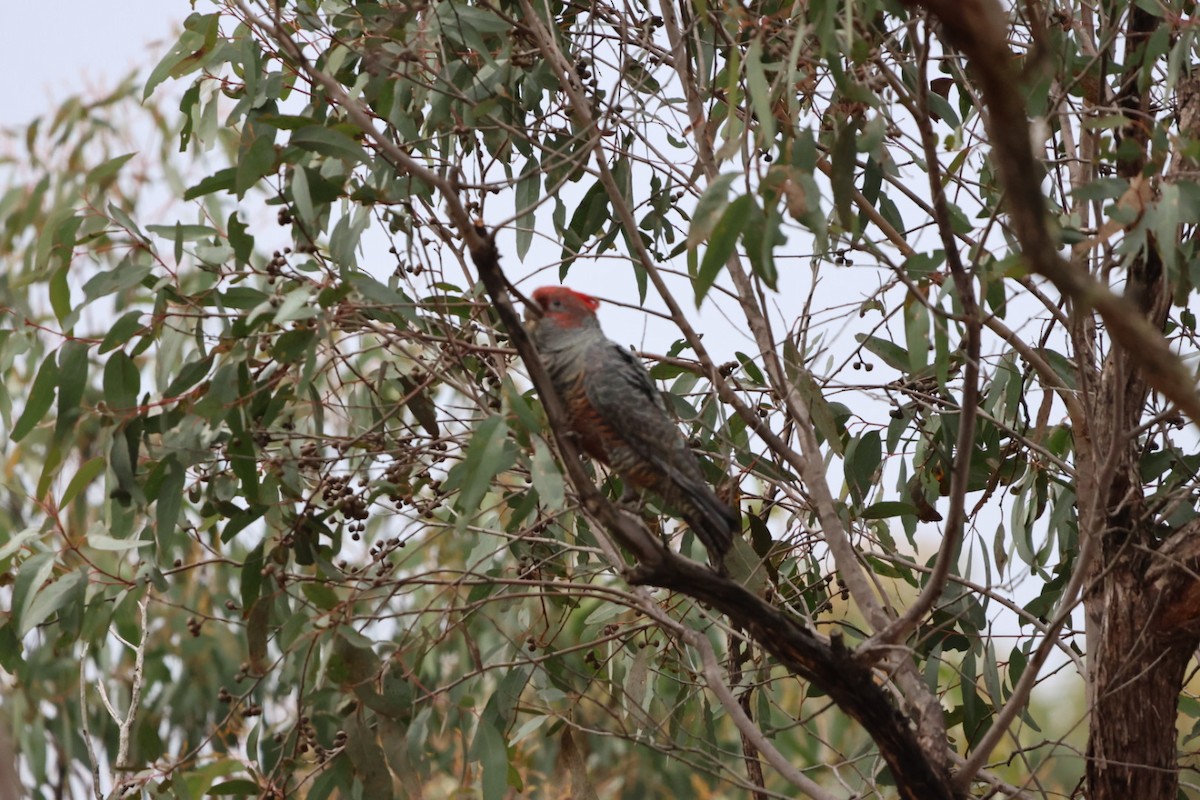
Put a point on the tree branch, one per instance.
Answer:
(799, 649)
(978, 28)
(832, 667)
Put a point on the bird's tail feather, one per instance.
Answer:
(714, 523)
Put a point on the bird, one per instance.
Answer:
(619, 416)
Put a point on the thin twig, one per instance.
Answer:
(717, 684)
(89, 745)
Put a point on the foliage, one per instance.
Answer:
(284, 516)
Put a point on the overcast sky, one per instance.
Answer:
(51, 50)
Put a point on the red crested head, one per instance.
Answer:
(567, 308)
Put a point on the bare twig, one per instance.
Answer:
(86, 727)
(715, 679)
(125, 722)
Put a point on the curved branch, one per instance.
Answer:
(798, 648)
(830, 666)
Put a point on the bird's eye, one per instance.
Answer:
(556, 304)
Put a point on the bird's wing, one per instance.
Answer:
(625, 397)
(647, 448)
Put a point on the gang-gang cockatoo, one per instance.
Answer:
(619, 416)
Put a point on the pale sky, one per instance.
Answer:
(52, 50)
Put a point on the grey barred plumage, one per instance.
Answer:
(620, 417)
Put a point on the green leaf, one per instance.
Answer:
(50, 599)
(252, 577)
(34, 573)
(321, 596)
(238, 787)
(329, 142)
(82, 479)
(243, 458)
(384, 297)
(170, 498)
(102, 541)
(302, 197)
(293, 345)
(487, 456)
(760, 238)
(122, 382)
(1063, 366)
(118, 215)
(41, 396)
(589, 218)
(421, 405)
(72, 371)
(256, 157)
(722, 242)
(751, 369)
(515, 402)
(887, 509)
(60, 296)
(916, 332)
(188, 107)
(819, 410)
(346, 235)
(191, 374)
(121, 331)
(843, 163)
(240, 520)
(892, 354)
(709, 208)
(189, 53)
(102, 174)
(16, 541)
(370, 762)
(258, 624)
(489, 746)
(353, 660)
(922, 265)
(760, 93)
(122, 458)
(940, 107)
(297, 305)
(124, 276)
(639, 78)
(241, 242)
(529, 189)
(547, 478)
(864, 459)
(222, 180)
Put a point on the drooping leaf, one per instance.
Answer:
(41, 396)
(722, 242)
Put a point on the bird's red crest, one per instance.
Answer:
(565, 305)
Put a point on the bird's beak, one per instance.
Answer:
(533, 315)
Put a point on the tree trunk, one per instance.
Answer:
(1137, 670)
(1139, 599)
(1140, 632)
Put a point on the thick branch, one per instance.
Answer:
(831, 667)
(851, 685)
